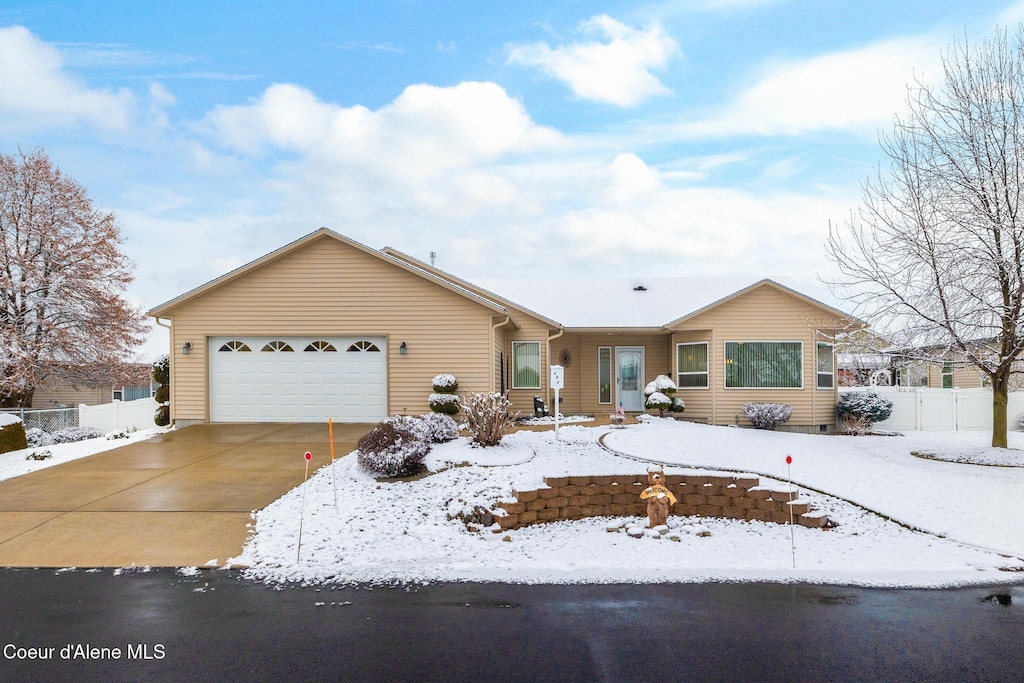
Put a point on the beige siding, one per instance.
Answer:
(72, 396)
(763, 314)
(964, 376)
(329, 288)
(529, 330)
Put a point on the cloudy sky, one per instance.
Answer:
(696, 137)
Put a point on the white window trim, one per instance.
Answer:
(725, 359)
(540, 373)
(706, 373)
(818, 372)
(611, 376)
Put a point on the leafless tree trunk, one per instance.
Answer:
(63, 318)
(934, 256)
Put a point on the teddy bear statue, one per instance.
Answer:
(659, 498)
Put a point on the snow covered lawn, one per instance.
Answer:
(402, 531)
(14, 463)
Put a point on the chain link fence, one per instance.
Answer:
(48, 419)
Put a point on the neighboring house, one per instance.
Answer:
(88, 395)
(327, 327)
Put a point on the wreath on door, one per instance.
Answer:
(564, 358)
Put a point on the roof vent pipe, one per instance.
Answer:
(433, 255)
(639, 288)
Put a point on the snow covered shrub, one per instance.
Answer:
(446, 404)
(162, 394)
(162, 370)
(660, 401)
(662, 384)
(866, 405)
(489, 417)
(446, 384)
(120, 434)
(409, 423)
(12, 434)
(162, 416)
(1020, 420)
(37, 437)
(44, 454)
(439, 428)
(677, 406)
(767, 415)
(391, 450)
(73, 434)
(444, 399)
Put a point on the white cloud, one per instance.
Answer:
(36, 91)
(615, 72)
(858, 90)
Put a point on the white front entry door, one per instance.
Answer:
(629, 377)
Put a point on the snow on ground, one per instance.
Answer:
(550, 420)
(975, 505)
(402, 531)
(976, 454)
(14, 463)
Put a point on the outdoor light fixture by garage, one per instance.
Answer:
(186, 349)
(402, 349)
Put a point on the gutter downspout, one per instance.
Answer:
(493, 335)
(548, 351)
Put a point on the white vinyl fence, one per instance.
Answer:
(943, 409)
(112, 417)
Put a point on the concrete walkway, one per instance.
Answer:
(183, 498)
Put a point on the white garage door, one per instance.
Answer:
(297, 379)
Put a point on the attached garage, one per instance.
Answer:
(297, 379)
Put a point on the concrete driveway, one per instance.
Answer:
(183, 498)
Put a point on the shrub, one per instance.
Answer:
(162, 370)
(162, 416)
(1020, 420)
(662, 384)
(391, 450)
(489, 417)
(447, 404)
(12, 437)
(73, 434)
(767, 415)
(864, 404)
(163, 394)
(677, 406)
(446, 384)
(36, 437)
(660, 401)
(439, 428)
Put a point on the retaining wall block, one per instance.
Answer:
(525, 496)
(709, 510)
(508, 521)
(556, 502)
(783, 518)
(535, 505)
(798, 507)
(572, 512)
(733, 492)
(556, 482)
(759, 493)
(759, 515)
(733, 513)
(580, 481)
(512, 507)
(547, 515)
(720, 501)
(695, 499)
(528, 517)
(747, 482)
(568, 491)
(813, 521)
(784, 495)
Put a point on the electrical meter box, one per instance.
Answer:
(557, 377)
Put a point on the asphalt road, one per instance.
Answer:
(159, 625)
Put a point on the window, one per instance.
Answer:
(526, 365)
(320, 346)
(604, 374)
(826, 366)
(764, 365)
(234, 346)
(947, 374)
(276, 346)
(363, 346)
(692, 365)
(132, 393)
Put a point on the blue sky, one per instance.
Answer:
(698, 137)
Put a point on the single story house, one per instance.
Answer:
(326, 327)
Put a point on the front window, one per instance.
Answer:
(826, 366)
(764, 365)
(526, 365)
(692, 365)
(947, 375)
(604, 374)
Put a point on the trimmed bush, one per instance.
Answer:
(162, 416)
(660, 401)
(662, 384)
(37, 437)
(391, 450)
(489, 417)
(12, 437)
(446, 384)
(677, 406)
(163, 393)
(440, 428)
(866, 405)
(447, 404)
(767, 415)
(73, 434)
(162, 370)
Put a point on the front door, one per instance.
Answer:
(629, 377)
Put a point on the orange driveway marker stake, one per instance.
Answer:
(334, 482)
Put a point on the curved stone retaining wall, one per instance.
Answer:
(705, 495)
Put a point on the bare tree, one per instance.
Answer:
(934, 256)
(63, 316)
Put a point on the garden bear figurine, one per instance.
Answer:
(659, 498)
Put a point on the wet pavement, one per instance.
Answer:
(160, 625)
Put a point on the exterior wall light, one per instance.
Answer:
(402, 348)
(186, 349)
